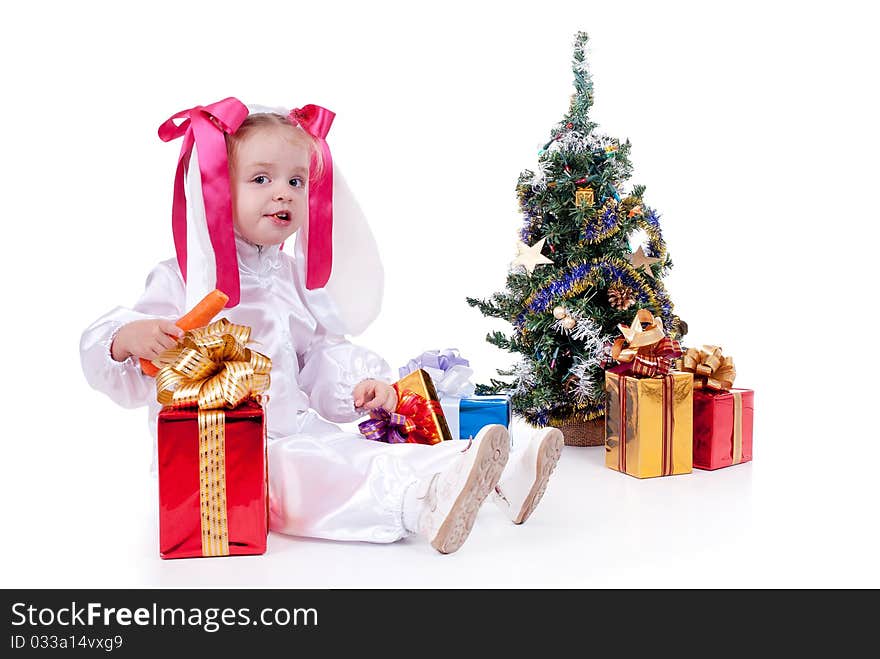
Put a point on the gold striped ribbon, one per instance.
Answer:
(621, 455)
(737, 427)
(212, 482)
(668, 403)
(211, 369)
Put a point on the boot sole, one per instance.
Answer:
(493, 451)
(548, 456)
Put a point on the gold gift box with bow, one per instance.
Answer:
(649, 410)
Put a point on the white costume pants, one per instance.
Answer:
(328, 483)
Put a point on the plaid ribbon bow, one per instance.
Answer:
(644, 349)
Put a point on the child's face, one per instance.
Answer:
(268, 175)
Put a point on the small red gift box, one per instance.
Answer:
(213, 494)
(722, 427)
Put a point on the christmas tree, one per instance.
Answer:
(576, 277)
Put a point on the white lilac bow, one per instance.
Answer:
(451, 375)
(449, 371)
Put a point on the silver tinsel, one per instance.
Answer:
(599, 141)
(588, 389)
(589, 333)
(524, 377)
(539, 179)
(570, 142)
(583, 65)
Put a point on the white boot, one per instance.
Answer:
(523, 483)
(450, 498)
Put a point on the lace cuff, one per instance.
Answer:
(127, 364)
(351, 377)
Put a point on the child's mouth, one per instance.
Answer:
(282, 218)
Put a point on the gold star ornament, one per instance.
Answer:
(639, 259)
(530, 257)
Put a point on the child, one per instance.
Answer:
(230, 221)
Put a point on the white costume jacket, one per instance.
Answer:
(323, 482)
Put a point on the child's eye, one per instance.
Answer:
(296, 182)
(261, 179)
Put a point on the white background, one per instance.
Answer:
(753, 126)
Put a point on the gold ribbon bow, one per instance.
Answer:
(647, 350)
(211, 369)
(637, 337)
(711, 368)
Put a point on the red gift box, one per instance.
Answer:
(191, 515)
(722, 427)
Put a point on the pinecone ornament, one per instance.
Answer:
(621, 297)
(679, 328)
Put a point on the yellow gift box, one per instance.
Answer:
(649, 424)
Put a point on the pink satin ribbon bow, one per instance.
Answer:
(200, 128)
(204, 127)
(316, 121)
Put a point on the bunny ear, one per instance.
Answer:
(201, 264)
(316, 121)
(352, 297)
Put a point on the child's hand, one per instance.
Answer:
(373, 394)
(145, 339)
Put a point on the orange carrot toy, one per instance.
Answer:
(199, 316)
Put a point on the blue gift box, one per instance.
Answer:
(474, 412)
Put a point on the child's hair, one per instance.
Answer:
(298, 136)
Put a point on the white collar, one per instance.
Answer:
(256, 258)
